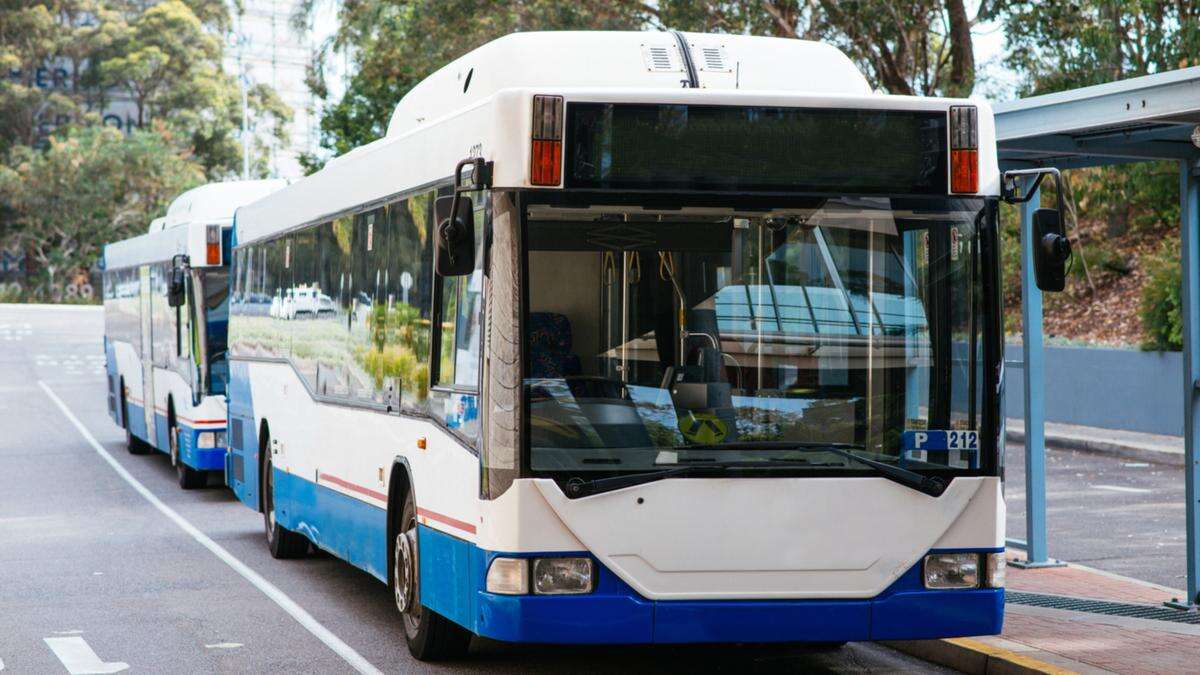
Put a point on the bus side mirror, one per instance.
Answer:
(1051, 247)
(1051, 250)
(177, 286)
(454, 243)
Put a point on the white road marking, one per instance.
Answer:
(224, 645)
(1136, 465)
(79, 659)
(1120, 488)
(68, 632)
(268, 589)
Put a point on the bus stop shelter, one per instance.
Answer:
(1156, 117)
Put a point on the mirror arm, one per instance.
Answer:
(1009, 187)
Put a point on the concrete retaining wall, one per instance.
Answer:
(1110, 388)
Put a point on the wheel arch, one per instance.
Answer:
(400, 485)
(264, 438)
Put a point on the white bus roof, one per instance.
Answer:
(207, 204)
(481, 105)
(646, 60)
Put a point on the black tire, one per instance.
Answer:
(282, 542)
(189, 478)
(430, 636)
(135, 445)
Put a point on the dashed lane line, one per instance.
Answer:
(348, 654)
(1121, 488)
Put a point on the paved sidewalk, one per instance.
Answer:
(1127, 444)
(1040, 639)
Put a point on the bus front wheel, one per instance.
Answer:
(282, 542)
(430, 636)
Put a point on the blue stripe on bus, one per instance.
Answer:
(350, 529)
(137, 420)
(243, 450)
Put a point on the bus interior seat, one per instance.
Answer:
(550, 354)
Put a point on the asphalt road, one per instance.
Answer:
(92, 573)
(1121, 516)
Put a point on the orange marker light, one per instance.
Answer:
(421, 443)
(212, 240)
(964, 171)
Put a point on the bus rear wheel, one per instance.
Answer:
(282, 542)
(189, 478)
(430, 636)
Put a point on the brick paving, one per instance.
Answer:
(1096, 640)
(1119, 649)
(1085, 583)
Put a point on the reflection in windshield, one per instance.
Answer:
(846, 323)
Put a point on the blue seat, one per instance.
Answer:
(550, 353)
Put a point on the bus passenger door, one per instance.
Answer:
(147, 361)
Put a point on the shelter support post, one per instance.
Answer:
(1189, 216)
(1035, 413)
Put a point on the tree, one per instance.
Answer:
(90, 186)
(396, 44)
(913, 47)
(69, 60)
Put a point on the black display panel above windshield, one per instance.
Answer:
(616, 146)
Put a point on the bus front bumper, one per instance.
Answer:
(614, 613)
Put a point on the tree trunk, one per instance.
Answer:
(962, 53)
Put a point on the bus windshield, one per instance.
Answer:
(674, 337)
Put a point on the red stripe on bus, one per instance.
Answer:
(352, 487)
(447, 520)
(181, 418)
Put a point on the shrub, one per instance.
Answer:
(1162, 309)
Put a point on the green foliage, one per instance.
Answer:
(1062, 45)
(1162, 309)
(69, 60)
(89, 186)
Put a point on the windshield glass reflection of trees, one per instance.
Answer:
(655, 339)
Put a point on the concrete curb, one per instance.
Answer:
(975, 657)
(1102, 447)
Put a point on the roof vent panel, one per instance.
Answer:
(662, 58)
(711, 59)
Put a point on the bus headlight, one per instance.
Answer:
(508, 576)
(952, 570)
(996, 565)
(562, 576)
(210, 439)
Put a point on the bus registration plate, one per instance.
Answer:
(936, 439)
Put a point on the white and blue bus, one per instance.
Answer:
(638, 338)
(165, 324)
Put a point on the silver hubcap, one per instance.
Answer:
(174, 436)
(405, 560)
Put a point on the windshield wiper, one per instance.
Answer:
(933, 486)
(578, 487)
